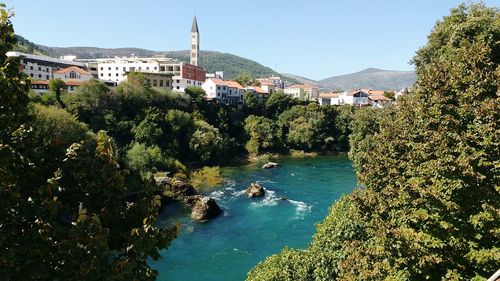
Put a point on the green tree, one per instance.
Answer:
(279, 102)
(58, 87)
(206, 142)
(65, 211)
(429, 207)
(244, 79)
(261, 132)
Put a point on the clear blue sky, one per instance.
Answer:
(315, 38)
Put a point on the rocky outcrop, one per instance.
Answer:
(255, 190)
(175, 188)
(270, 165)
(202, 208)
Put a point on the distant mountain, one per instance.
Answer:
(371, 78)
(301, 79)
(213, 61)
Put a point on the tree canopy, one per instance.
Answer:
(428, 208)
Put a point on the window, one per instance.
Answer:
(39, 68)
(31, 74)
(139, 68)
(218, 87)
(162, 68)
(116, 68)
(72, 75)
(47, 69)
(102, 74)
(161, 83)
(155, 83)
(155, 68)
(193, 54)
(109, 74)
(117, 74)
(71, 88)
(132, 69)
(194, 36)
(178, 81)
(48, 77)
(178, 88)
(31, 67)
(109, 68)
(39, 75)
(147, 67)
(124, 69)
(193, 46)
(189, 81)
(102, 68)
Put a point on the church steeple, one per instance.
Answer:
(195, 42)
(195, 26)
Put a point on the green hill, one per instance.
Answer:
(27, 46)
(213, 61)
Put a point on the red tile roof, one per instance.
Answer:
(299, 86)
(329, 95)
(229, 83)
(377, 98)
(73, 83)
(72, 68)
(379, 93)
(259, 90)
(39, 82)
(233, 84)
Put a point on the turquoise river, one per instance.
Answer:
(227, 247)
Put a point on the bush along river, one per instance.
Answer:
(298, 195)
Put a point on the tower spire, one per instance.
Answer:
(195, 42)
(194, 28)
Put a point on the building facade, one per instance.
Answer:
(41, 67)
(303, 92)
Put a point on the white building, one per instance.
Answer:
(41, 67)
(279, 85)
(220, 91)
(329, 99)
(72, 73)
(304, 92)
(355, 98)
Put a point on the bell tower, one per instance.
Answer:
(195, 43)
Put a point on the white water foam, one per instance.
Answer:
(269, 199)
(301, 207)
(217, 195)
(238, 193)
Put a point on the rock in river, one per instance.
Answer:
(270, 165)
(255, 190)
(202, 208)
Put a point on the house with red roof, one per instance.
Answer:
(72, 73)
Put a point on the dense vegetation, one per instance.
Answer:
(429, 206)
(68, 210)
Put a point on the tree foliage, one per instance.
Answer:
(430, 170)
(66, 211)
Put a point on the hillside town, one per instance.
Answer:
(166, 73)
